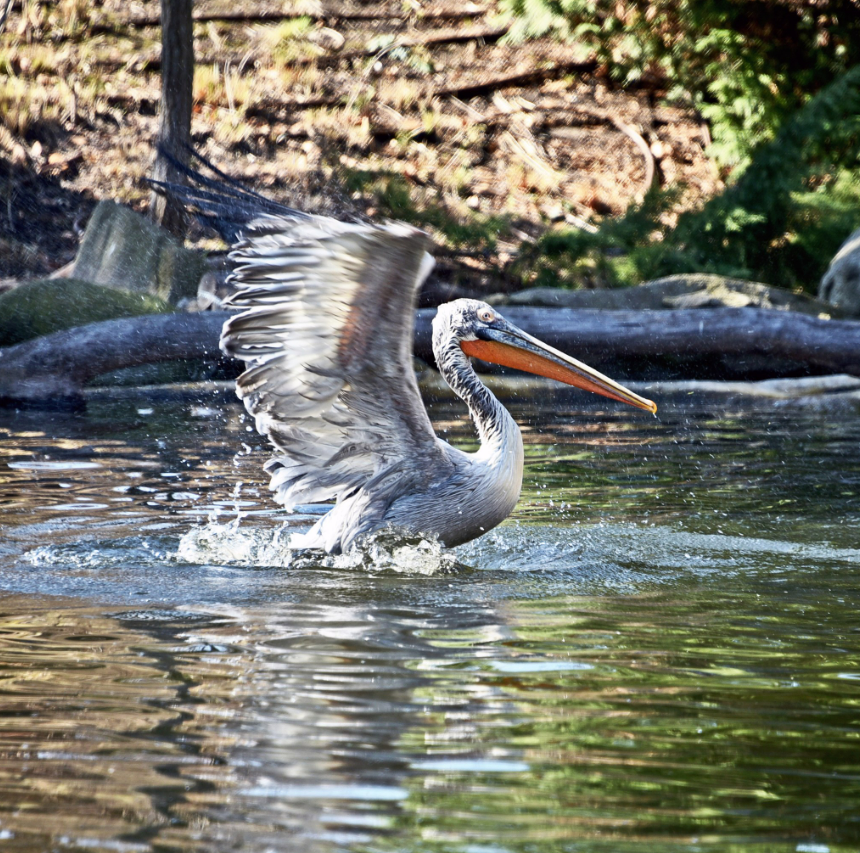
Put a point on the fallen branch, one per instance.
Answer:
(56, 367)
(466, 89)
(152, 62)
(326, 13)
(820, 346)
(472, 87)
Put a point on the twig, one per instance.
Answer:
(643, 147)
(629, 131)
(534, 75)
(527, 150)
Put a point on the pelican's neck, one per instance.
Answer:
(499, 434)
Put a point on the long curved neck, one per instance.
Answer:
(497, 430)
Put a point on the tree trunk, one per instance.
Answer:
(174, 120)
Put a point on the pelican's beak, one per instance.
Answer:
(506, 345)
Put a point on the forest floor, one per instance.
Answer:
(411, 110)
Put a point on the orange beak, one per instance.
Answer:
(506, 345)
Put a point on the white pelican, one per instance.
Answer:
(326, 333)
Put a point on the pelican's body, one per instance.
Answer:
(458, 496)
(327, 334)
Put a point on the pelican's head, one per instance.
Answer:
(481, 332)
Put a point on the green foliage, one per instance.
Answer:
(779, 223)
(623, 252)
(391, 193)
(788, 190)
(746, 66)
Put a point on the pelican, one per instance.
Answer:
(325, 331)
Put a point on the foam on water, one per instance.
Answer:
(629, 552)
(649, 550)
(610, 555)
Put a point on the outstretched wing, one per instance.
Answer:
(221, 202)
(327, 335)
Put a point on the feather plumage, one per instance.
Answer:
(326, 331)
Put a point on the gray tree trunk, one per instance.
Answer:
(174, 120)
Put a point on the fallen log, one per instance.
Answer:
(804, 343)
(58, 366)
(55, 368)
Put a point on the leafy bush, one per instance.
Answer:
(745, 66)
(779, 223)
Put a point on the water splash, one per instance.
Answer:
(398, 551)
(385, 550)
(234, 544)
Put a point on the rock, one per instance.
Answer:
(697, 290)
(124, 250)
(49, 305)
(713, 298)
(840, 285)
(327, 39)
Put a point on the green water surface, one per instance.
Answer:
(660, 651)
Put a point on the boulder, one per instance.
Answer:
(840, 285)
(696, 290)
(50, 305)
(124, 250)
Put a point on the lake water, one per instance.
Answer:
(660, 651)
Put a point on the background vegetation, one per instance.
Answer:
(778, 82)
(574, 143)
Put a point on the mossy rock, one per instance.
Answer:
(126, 251)
(693, 290)
(50, 305)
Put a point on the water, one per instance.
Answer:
(659, 652)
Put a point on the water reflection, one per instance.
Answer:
(655, 654)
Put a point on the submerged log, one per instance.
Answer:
(58, 366)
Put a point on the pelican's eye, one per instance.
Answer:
(486, 315)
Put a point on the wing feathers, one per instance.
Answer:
(326, 331)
